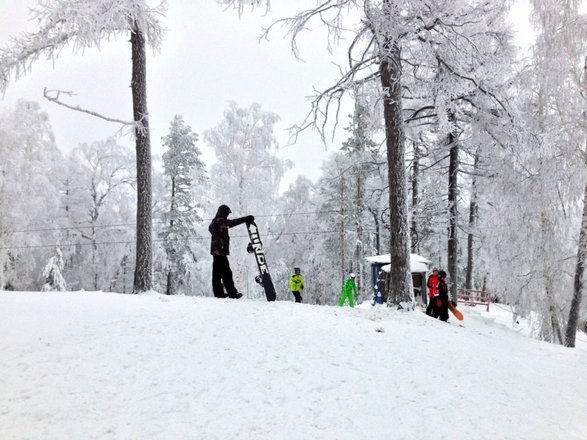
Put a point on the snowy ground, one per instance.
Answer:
(109, 366)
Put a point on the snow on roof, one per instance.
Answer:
(417, 262)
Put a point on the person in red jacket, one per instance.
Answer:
(440, 306)
(432, 284)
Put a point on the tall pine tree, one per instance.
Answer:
(183, 166)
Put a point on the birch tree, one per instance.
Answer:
(100, 169)
(247, 172)
(85, 24)
(561, 76)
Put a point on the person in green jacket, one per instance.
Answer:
(296, 284)
(349, 289)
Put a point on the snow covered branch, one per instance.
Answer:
(482, 89)
(240, 4)
(55, 99)
(83, 24)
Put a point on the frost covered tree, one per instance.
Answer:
(561, 77)
(295, 234)
(30, 165)
(81, 194)
(54, 281)
(366, 162)
(182, 167)
(96, 176)
(336, 195)
(84, 24)
(471, 100)
(533, 230)
(247, 172)
(350, 204)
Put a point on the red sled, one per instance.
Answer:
(455, 311)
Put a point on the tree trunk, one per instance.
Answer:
(144, 252)
(400, 284)
(359, 255)
(170, 290)
(571, 330)
(341, 235)
(375, 215)
(472, 222)
(415, 194)
(453, 168)
(94, 214)
(555, 333)
(94, 252)
(124, 264)
(551, 328)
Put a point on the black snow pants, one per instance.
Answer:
(222, 278)
(440, 308)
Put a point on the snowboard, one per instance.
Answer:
(256, 247)
(455, 311)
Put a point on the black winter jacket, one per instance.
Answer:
(220, 243)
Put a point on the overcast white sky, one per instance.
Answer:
(209, 56)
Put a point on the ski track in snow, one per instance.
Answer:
(110, 366)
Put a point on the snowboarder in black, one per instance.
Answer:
(440, 305)
(219, 248)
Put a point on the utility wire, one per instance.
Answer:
(102, 243)
(118, 225)
(65, 228)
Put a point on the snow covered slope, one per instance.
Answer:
(109, 366)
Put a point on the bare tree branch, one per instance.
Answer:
(55, 98)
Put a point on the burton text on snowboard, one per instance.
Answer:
(256, 247)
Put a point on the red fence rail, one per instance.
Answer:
(474, 297)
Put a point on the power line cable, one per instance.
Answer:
(117, 225)
(158, 240)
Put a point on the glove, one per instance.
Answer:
(438, 302)
(249, 219)
(454, 304)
